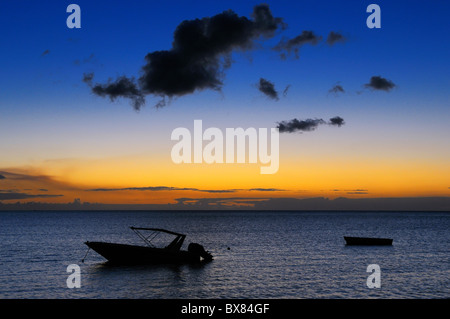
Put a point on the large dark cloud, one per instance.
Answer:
(294, 44)
(379, 83)
(307, 125)
(2, 177)
(268, 88)
(201, 51)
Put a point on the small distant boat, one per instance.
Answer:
(365, 241)
(149, 254)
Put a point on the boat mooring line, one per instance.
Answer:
(82, 260)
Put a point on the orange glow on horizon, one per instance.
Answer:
(296, 178)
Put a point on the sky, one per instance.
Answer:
(87, 113)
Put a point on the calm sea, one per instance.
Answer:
(283, 255)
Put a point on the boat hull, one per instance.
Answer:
(364, 241)
(131, 254)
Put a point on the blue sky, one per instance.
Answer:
(411, 48)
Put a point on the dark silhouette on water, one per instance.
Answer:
(366, 241)
(133, 254)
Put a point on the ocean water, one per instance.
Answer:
(263, 255)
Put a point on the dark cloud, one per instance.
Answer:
(122, 87)
(267, 189)
(268, 88)
(299, 125)
(201, 51)
(338, 121)
(2, 177)
(46, 52)
(379, 83)
(168, 188)
(149, 188)
(335, 37)
(336, 89)
(264, 22)
(17, 195)
(306, 125)
(294, 44)
(87, 78)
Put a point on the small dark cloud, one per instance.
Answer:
(267, 189)
(268, 88)
(294, 44)
(299, 125)
(43, 190)
(2, 177)
(379, 83)
(46, 52)
(200, 54)
(335, 37)
(358, 193)
(337, 120)
(87, 78)
(213, 191)
(337, 88)
(296, 125)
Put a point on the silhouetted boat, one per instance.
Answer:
(365, 241)
(132, 254)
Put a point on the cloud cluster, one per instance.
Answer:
(201, 51)
(296, 125)
(376, 83)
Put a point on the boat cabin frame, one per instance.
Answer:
(175, 245)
